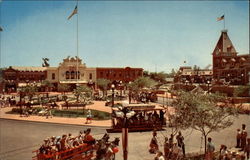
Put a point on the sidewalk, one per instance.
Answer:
(98, 105)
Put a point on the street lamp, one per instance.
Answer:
(120, 89)
(242, 78)
(186, 83)
(125, 114)
(208, 82)
(113, 94)
(129, 93)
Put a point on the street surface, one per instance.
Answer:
(19, 138)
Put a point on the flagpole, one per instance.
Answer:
(77, 45)
(224, 21)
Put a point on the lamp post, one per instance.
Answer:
(113, 94)
(186, 83)
(129, 93)
(125, 114)
(120, 90)
(208, 82)
(242, 79)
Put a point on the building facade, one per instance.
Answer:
(228, 66)
(71, 71)
(189, 75)
(125, 75)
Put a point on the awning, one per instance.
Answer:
(242, 59)
(72, 82)
(233, 60)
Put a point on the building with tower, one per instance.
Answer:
(228, 66)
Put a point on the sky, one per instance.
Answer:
(153, 35)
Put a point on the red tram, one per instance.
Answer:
(82, 152)
(147, 117)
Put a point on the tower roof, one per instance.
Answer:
(224, 44)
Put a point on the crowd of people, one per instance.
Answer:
(173, 149)
(242, 143)
(7, 101)
(103, 147)
(149, 118)
(65, 142)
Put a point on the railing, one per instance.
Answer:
(82, 152)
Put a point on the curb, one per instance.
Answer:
(56, 123)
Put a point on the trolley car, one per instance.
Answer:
(147, 117)
(82, 152)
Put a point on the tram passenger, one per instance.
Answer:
(63, 142)
(88, 138)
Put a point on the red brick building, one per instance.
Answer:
(17, 76)
(119, 74)
(228, 65)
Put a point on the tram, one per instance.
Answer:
(82, 152)
(147, 117)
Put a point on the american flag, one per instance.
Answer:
(73, 13)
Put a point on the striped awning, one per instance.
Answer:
(224, 61)
(242, 59)
(233, 60)
(72, 82)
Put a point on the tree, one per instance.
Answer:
(159, 77)
(63, 88)
(82, 93)
(29, 91)
(103, 84)
(47, 85)
(204, 113)
(140, 83)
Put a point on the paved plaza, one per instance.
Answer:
(21, 135)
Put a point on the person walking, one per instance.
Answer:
(180, 142)
(247, 148)
(243, 137)
(210, 149)
(153, 144)
(166, 148)
(238, 137)
(89, 117)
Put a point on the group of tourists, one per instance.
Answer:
(143, 118)
(65, 142)
(7, 101)
(242, 142)
(103, 148)
(173, 149)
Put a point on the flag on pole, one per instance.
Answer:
(220, 18)
(73, 13)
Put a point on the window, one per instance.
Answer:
(67, 74)
(72, 75)
(78, 75)
(90, 76)
(53, 76)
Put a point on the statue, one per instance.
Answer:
(45, 62)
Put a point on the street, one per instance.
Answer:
(19, 138)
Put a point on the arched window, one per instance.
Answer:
(78, 75)
(67, 74)
(72, 75)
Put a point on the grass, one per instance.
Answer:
(71, 113)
